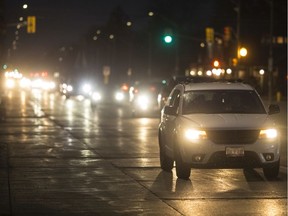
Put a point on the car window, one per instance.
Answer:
(174, 99)
(222, 101)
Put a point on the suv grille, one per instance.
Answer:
(233, 136)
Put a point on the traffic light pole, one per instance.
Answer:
(173, 38)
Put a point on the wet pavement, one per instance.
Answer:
(59, 157)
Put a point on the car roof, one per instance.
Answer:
(191, 79)
(217, 86)
(188, 79)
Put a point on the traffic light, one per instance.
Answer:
(227, 33)
(168, 36)
(31, 24)
(209, 35)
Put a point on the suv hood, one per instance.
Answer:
(235, 121)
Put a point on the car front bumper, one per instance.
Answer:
(208, 154)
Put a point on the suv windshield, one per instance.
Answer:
(222, 101)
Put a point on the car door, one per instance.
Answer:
(170, 119)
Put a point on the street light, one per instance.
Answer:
(216, 63)
(150, 13)
(243, 52)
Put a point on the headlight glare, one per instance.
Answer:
(192, 134)
(143, 102)
(10, 83)
(96, 96)
(87, 88)
(268, 133)
(119, 96)
(69, 88)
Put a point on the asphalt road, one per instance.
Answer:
(60, 157)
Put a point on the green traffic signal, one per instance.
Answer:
(168, 39)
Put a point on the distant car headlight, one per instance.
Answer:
(25, 83)
(193, 134)
(96, 96)
(119, 96)
(270, 133)
(52, 85)
(38, 83)
(143, 101)
(48, 85)
(10, 83)
(69, 88)
(87, 88)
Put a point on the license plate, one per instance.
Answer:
(234, 151)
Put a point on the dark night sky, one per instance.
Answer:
(62, 22)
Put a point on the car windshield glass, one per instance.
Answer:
(222, 101)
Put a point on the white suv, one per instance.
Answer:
(218, 125)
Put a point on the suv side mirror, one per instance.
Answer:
(169, 110)
(273, 109)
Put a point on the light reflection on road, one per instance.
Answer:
(107, 140)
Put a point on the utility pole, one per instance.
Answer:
(270, 58)
(2, 31)
(238, 44)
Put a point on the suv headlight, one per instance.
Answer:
(270, 133)
(193, 134)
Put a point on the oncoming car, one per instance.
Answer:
(76, 88)
(121, 94)
(218, 125)
(144, 98)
